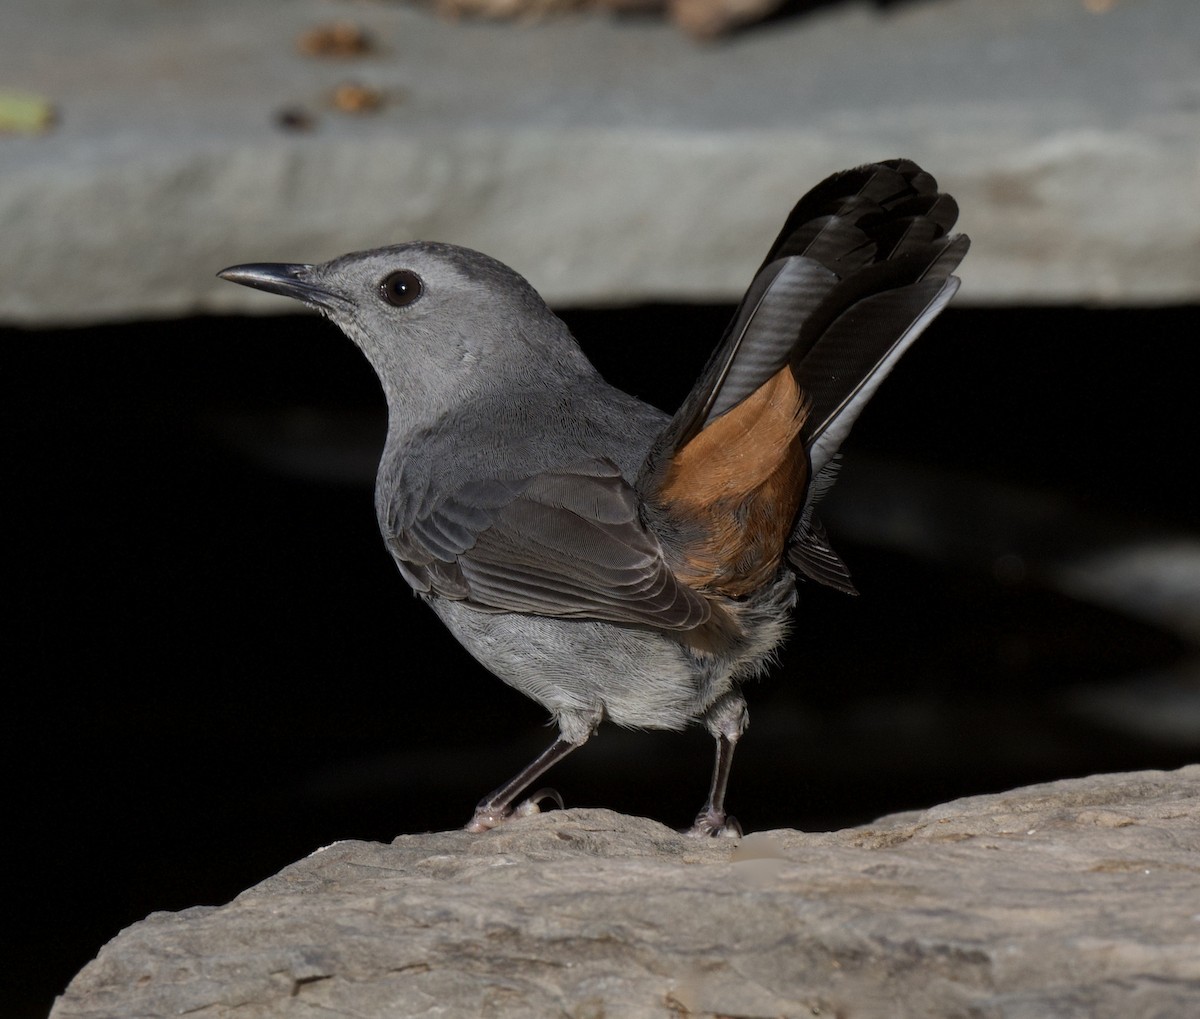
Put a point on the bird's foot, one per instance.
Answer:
(492, 815)
(711, 823)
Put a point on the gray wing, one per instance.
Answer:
(566, 543)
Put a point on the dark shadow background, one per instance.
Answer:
(213, 667)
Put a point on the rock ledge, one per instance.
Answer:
(608, 160)
(1073, 898)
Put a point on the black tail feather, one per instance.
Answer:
(862, 265)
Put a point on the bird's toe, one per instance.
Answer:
(714, 824)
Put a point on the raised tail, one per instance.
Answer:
(862, 265)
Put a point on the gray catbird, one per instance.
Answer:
(605, 559)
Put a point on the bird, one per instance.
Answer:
(611, 561)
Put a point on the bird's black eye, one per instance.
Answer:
(401, 287)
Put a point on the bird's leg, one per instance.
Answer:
(726, 720)
(497, 807)
(712, 819)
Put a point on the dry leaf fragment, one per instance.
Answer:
(335, 39)
(353, 97)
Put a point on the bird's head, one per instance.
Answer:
(438, 323)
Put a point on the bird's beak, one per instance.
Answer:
(280, 278)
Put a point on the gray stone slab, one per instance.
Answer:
(1069, 899)
(609, 160)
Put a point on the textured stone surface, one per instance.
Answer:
(609, 160)
(1075, 898)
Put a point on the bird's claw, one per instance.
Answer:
(486, 819)
(533, 805)
(489, 815)
(714, 824)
